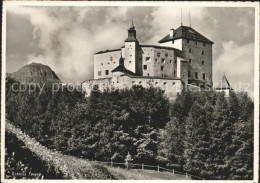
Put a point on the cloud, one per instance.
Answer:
(68, 44)
(237, 62)
(165, 18)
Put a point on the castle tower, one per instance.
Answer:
(196, 48)
(224, 86)
(131, 50)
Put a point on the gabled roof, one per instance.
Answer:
(121, 68)
(187, 33)
(224, 84)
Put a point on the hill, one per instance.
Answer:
(35, 73)
(55, 165)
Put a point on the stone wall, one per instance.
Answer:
(197, 52)
(102, 84)
(106, 62)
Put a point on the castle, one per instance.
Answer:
(183, 58)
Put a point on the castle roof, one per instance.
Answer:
(121, 68)
(187, 33)
(224, 84)
(131, 34)
(106, 51)
(131, 39)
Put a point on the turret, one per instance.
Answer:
(131, 34)
(224, 86)
(131, 46)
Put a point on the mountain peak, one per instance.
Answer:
(35, 73)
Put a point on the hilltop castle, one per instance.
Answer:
(183, 58)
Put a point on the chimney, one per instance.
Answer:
(171, 32)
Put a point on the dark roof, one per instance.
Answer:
(131, 39)
(187, 33)
(224, 84)
(177, 51)
(122, 69)
(100, 52)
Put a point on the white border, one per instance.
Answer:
(7, 4)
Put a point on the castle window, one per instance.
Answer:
(202, 52)
(164, 83)
(148, 59)
(204, 76)
(170, 61)
(147, 74)
(202, 63)
(163, 60)
(189, 60)
(99, 73)
(189, 50)
(102, 64)
(114, 63)
(107, 71)
(196, 75)
(108, 64)
(130, 62)
(158, 54)
(162, 67)
(156, 83)
(111, 58)
(130, 55)
(145, 67)
(156, 60)
(172, 41)
(188, 41)
(189, 74)
(204, 44)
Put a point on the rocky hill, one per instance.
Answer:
(35, 73)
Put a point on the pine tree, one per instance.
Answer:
(197, 139)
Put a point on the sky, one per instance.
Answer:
(65, 38)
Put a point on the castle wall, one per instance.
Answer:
(105, 62)
(131, 56)
(193, 50)
(170, 86)
(121, 81)
(159, 62)
(102, 84)
(184, 71)
(148, 61)
(164, 63)
(139, 61)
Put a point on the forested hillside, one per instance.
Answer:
(203, 133)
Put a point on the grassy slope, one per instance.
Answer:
(138, 174)
(75, 168)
